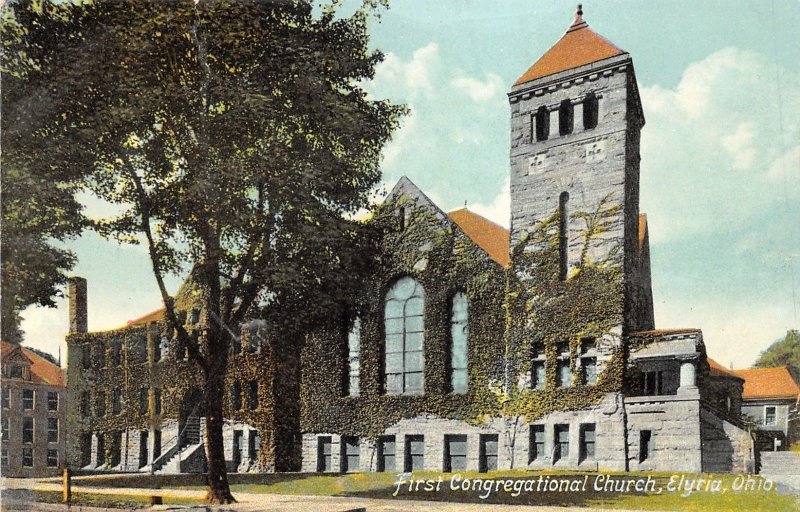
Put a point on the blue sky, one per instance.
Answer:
(720, 176)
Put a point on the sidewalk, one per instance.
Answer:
(249, 502)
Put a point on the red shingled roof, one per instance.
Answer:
(579, 46)
(491, 237)
(717, 370)
(768, 383)
(42, 370)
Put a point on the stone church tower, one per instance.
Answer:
(576, 119)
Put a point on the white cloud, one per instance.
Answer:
(739, 145)
(728, 112)
(399, 142)
(786, 168)
(479, 91)
(499, 211)
(396, 77)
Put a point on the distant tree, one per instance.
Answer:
(238, 141)
(38, 205)
(783, 352)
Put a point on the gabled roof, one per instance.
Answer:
(491, 237)
(717, 370)
(768, 383)
(579, 46)
(42, 370)
(153, 316)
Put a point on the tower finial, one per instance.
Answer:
(579, 10)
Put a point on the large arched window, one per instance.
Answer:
(404, 356)
(458, 344)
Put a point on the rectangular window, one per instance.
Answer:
(52, 430)
(236, 396)
(253, 340)
(52, 401)
(86, 449)
(52, 458)
(652, 383)
(157, 400)
(564, 374)
(459, 378)
(137, 350)
(100, 355)
(85, 404)
(353, 355)
(538, 375)
(15, 371)
(144, 438)
(488, 454)
(769, 415)
(587, 441)
(415, 453)
(537, 443)
(455, 453)
(143, 392)
(27, 399)
(6, 397)
(101, 449)
(27, 456)
(4, 456)
(6, 431)
(386, 453)
(116, 354)
(116, 448)
(86, 358)
(236, 345)
(116, 401)
(156, 444)
(27, 429)
(646, 445)
(324, 454)
(561, 442)
(350, 454)
(100, 404)
(253, 445)
(252, 396)
(238, 441)
(589, 370)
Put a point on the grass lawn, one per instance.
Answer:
(724, 492)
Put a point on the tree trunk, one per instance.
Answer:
(219, 491)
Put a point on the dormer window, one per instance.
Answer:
(15, 371)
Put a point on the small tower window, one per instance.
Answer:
(563, 235)
(542, 123)
(565, 118)
(590, 111)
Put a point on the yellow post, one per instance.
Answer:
(67, 498)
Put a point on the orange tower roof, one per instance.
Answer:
(579, 46)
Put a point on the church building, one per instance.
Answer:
(472, 347)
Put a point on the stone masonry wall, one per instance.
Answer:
(726, 447)
(674, 423)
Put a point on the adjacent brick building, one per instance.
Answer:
(33, 413)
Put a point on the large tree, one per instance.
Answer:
(783, 352)
(239, 142)
(38, 207)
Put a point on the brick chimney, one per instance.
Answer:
(78, 316)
